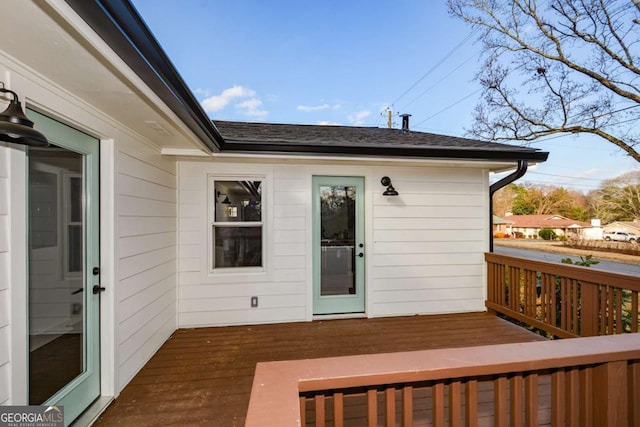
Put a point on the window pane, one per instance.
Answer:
(244, 196)
(237, 247)
(75, 248)
(75, 199)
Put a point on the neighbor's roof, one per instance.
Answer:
(546, 221)
(272, 137)
(631, 224)
(499, 221)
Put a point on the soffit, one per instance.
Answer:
(65, 52)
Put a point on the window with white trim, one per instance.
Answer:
(236, 223)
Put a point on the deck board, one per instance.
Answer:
(203, 377)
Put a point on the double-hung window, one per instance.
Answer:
(237, 223)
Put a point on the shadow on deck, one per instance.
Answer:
(204, 376)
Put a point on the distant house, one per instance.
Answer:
(501, 225)
(530, 225)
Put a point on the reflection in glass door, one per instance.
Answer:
(338, 245)
(63, 251)
(55, 271)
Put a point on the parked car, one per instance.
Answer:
(620, 236)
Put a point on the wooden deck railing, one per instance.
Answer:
(591, 381)
(563, 300)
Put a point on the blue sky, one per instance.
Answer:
(345, 62)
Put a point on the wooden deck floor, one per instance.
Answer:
(203, 377)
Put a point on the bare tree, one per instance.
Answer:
(619, 198)
(557, 66)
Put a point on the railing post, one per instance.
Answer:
(610, 394)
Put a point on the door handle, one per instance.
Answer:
(97, 289)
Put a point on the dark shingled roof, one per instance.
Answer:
(296, 138)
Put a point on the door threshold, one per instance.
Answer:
(339, 316)
(93, 412)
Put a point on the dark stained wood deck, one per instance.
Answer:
(203, 377)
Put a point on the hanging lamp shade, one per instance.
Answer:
(16, 128)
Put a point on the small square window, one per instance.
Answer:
(236, 226)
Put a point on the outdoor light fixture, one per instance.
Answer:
(390, 191)
(226, 200)
(15, 127)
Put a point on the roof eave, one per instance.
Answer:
(232, 146)
(122, 28)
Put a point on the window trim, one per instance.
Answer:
(211, 223)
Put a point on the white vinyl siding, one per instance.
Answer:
(5, 344)
(428, 243)
(146, 246)
(224, 299)
(424, 248)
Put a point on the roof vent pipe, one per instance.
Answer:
(405, 122)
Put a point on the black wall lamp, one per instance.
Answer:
(390, 191)
(15, 127)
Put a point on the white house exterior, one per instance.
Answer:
(158, 162)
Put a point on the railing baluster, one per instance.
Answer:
(514, 292)
(494, 282)
(604, 310)
(455, 404)
(531, 398)
(572, 403)
(586, 397)
(407, 406)
(372, 408)
(530, 292)
(320, 410)
(438, 404)
(516, 401)
(619, 303)
(557, 398)
(575, 328)
(338, 410)
(635, 315)
(390, 406)
(471, 403)
(500, 402)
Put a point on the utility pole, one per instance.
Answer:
(389, 118)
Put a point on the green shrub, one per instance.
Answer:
(547, 234)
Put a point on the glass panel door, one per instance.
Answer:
(338, 245)
(63, 251)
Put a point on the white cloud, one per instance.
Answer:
(328, 123)
(309, 108)
(251, 108)
(358, 118)
(218, 102)
(203, 92)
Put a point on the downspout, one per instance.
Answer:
(519, 172)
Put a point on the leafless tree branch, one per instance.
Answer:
(559, 66)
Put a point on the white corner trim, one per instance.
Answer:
(18, 274)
